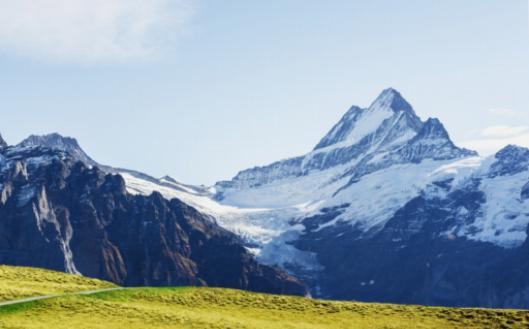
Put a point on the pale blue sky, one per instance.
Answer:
(201, 89)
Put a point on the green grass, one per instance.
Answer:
(161, 308)
(23, 282)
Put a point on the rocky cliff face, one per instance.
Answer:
(57, 213)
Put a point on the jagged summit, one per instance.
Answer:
(59, 142)
(365, 140)
(52, 140)
(2, 142)
(432, 142)
(510, 160)
(357, 122)
(433, 129)
(512, 151)
(391, 99)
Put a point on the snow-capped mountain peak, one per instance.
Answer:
(433, 129)
(365, 140)
(393, 100)
(431, 142)
(58, 142)
(510, 160)
(357, 123)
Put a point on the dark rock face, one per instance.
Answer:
(2, 142)
(56, 213)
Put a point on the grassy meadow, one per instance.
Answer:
(221, 308)
(23, 282)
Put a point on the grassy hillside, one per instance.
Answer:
(22, 282)
(223, 308)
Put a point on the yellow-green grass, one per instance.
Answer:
(23, 282)
(224, 308)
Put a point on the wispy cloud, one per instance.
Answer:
(504, 131)
(90, 30)
(504, 112)
(492, 139)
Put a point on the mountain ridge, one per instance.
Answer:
(381, 184)
(58, 213)
(395, 134)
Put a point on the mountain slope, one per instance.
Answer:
(461, 242)
(445, 226)
(386, 141)
(57, 213)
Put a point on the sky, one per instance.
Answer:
(200, 89)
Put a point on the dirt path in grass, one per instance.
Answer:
(36, 298)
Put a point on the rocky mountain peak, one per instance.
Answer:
(393, 100)
(53, 140)
(510, 160)
(432, 142)
(58, 142)
(433, 129)
(366, 139)
(2, 142)
(513, 152)
(357, 122)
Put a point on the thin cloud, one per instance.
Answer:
(90, 30)
(504, 131)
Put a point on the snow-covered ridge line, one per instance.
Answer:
(374, 160)
(364, 140)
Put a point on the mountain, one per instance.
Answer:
(384, 208)
(364, 140)
(58, 142)
(58, 213)
(387, 208)
(462, 241)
